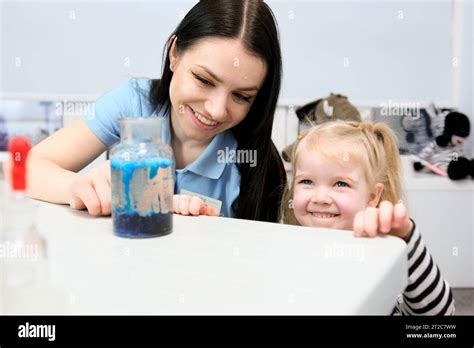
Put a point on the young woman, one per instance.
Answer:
(218, 90)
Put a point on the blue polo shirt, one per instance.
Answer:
(207, 175)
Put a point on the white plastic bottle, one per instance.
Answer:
(22, 248)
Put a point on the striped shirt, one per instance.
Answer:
(427, 293)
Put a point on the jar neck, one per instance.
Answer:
(140, 130)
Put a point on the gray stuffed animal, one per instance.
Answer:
(334, 107)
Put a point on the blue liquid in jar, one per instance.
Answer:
(136, 226)
(142, 193)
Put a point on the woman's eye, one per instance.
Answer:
(306, 182)
(202, 80)
(242, 98)
(341, 184)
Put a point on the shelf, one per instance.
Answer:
(431, 182)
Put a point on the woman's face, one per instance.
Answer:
(213, 86)
(330, 193)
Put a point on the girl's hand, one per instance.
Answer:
(93, 191)
(387, 219)
(191, 205)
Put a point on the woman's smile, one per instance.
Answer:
(208, 92)
(202, 121)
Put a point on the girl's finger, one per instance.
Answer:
(371, 221)
(358, 224)
(400, 215)
(385, 216)
(196, 205)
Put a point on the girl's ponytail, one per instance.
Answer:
(384, 136)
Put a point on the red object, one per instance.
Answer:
(19, 147)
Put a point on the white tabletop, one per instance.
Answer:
(210, 265)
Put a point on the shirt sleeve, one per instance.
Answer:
(103, 120)
(427, 293)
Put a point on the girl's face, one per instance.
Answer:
(213, 86)
(330, 193)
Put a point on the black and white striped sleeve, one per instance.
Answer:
(427, 293)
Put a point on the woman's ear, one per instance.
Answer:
(375, 195)
(173, 55)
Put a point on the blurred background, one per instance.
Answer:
(373, 52)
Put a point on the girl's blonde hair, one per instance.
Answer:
(373, 146)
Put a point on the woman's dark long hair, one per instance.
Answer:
(252, 22)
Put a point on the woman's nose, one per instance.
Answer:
(216, 107)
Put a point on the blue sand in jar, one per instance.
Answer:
(127, 222)
(137, 226)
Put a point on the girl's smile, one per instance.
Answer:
(328, 193)
(323, 215)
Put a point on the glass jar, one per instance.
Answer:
(142, 175)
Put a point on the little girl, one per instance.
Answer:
(347, 175)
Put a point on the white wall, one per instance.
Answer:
(369, 50)
(463, 57)
(78, 50)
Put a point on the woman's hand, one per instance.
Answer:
(386, 219)
(191, 205)
(93, 191)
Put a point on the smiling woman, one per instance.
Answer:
(222, 70)
(218, 92)
(211, 90)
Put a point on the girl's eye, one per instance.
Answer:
(341, 184)
(306, 182)
(242, 98)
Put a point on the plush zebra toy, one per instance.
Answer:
(445, 153)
